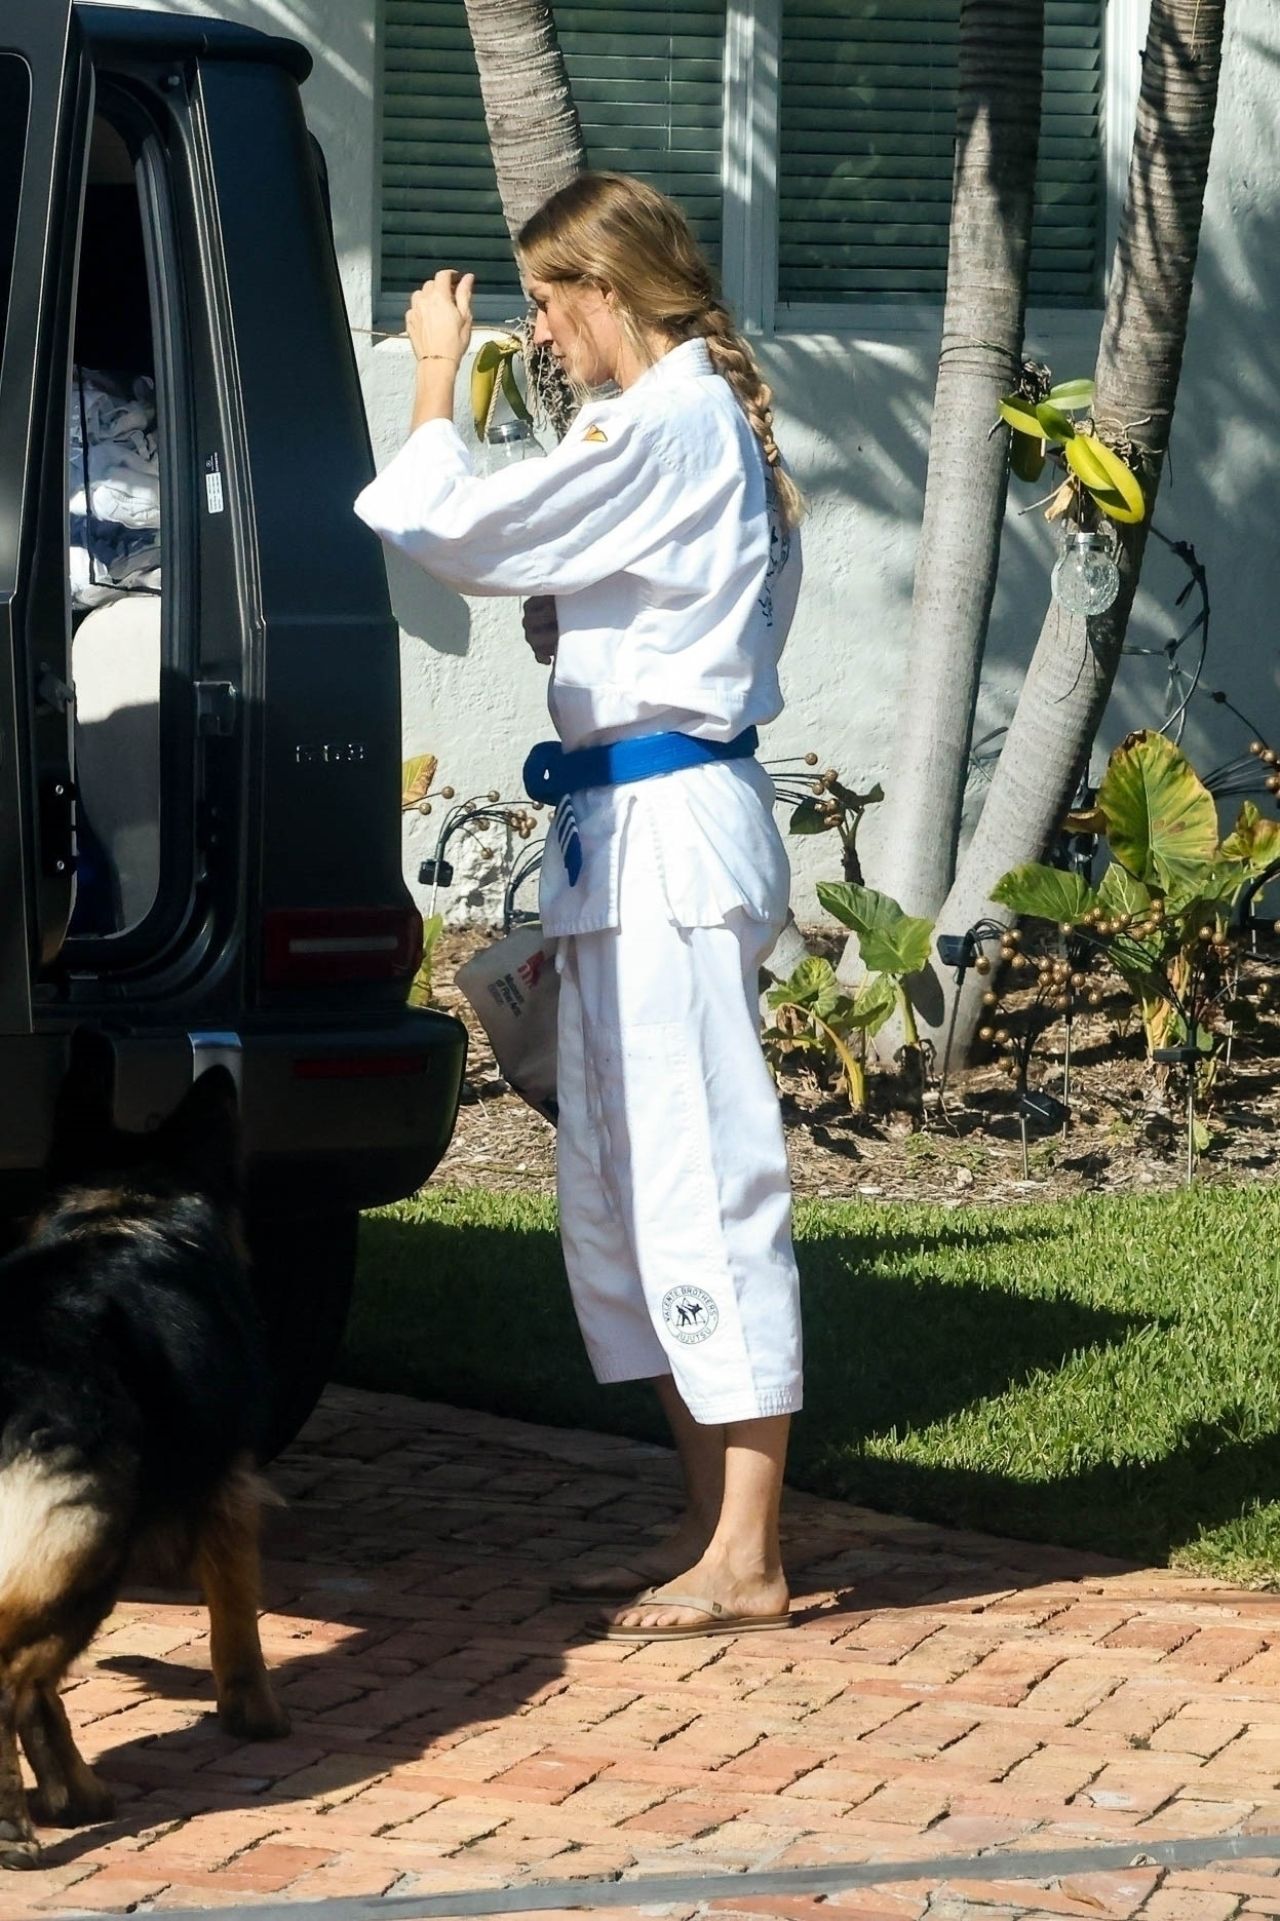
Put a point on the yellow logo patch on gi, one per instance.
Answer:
(595, 434)
(690, 1314)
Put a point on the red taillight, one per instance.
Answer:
(313, 946)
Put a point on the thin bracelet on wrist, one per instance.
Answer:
(448, 357)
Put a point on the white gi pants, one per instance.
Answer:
(675, 1201)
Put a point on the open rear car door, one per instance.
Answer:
(45, 98)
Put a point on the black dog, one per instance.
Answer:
(133, 1394)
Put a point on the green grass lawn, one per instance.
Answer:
(1102, 1373)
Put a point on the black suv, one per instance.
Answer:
(199, 691)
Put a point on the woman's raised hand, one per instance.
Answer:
(438, 322)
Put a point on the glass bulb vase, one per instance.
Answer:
(1085, 578)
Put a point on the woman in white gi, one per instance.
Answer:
(658, 550)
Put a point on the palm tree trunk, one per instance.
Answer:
(997, 141)
(1139, 362)
(534, 130)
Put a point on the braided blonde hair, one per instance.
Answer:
(614, 232)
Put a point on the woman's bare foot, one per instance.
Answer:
(741, 1592)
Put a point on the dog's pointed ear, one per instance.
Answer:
(200, 1141)
(82, 1113)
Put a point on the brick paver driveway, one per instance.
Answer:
(945, 1694)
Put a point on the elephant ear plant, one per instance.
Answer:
(815, 1012)
(814, 1016)
(1162, 915)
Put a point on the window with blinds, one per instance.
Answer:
(648, 82)
(867, 134)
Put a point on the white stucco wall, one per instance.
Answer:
(853, 414)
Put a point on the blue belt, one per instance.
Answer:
(550, 772)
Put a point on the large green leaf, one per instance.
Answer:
(1161, 821)
(889, 941)
(813, 986)
(1138, 965)
(1122, 897)
(1207, 893)
(875, 1001)
(1253, 840)
(1122, 893)
(1044, 893)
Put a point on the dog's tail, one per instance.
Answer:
(63, 1527)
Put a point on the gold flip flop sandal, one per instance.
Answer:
(719, 1620)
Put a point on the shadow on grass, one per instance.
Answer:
(1140, 1511)
(480, 1316)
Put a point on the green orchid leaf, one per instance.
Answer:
(1021, 416)
(511, 391)
(889, 941)
(1054, 424)
(1072, 394)
(1026, 456)
(1044, 893)
(1114, 486)
(484, 380)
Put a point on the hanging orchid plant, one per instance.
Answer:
(1098, 486)
(1047, 425)
(493, 373)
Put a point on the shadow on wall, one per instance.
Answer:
(858, 416)
(339, 96)
(425, 610)
(858, 413)
(1220, 481)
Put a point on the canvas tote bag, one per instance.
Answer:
(515, 991)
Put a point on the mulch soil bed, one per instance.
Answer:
(1125, 1133)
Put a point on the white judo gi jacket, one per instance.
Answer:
(675, 581)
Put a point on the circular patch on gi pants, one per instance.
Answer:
(689, 1314)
